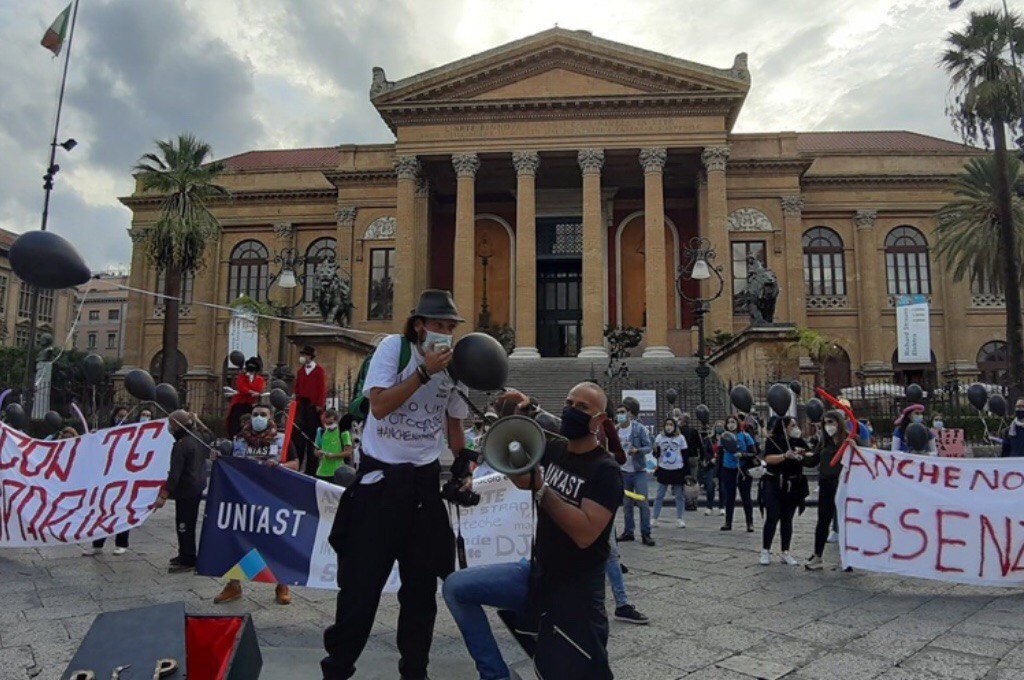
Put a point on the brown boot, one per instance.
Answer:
(232, 591)
(282, 595)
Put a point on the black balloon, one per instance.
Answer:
(997, 405)
(742, 399)
(729, 442)
(93, 368)
(224, 447)
(236, 358)
(815, 409)
(779, 398)
(53, 420)
(796, 387)
(15, 416)
(671, 395)
(165, 395)
(45, 260)
(632, 405)
(916, 436)
(140, 384)
(279, 399)
(977, 395)
(703, 414)
(480, 362)
(278, 384)
(914, 393)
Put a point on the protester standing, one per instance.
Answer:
(1013, 436)
(783, 486)
(636, 442)
(249, 386)
(911, 414)
(710, 469)
(333, 445)
(733, 478)
(310, 393)
(669, 450)
(118, 417)
(834, 433)
(186, 480)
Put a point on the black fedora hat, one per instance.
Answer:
(309, 351)
(436, 304)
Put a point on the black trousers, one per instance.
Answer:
(780, 506)
(827, 487)
(120, 540)
(307, 420)
(572, 639)
(378, 533)
(731, 481)
(186, 514)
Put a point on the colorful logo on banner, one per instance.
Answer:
(252, 567)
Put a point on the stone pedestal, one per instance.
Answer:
(759, 353)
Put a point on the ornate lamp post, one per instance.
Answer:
(698, 265)
(287, 278)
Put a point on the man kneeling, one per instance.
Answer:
(559, 596)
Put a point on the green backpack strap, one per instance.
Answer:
(359, 406)
(404, 354)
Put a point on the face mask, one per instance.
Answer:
(1019, 414)
(620, 418)
(831, 430)
(794, 433)
(917, 418)
(731, 427)
(719, 429)
(332, 426)
(259, 423)
(436, 341)
(303, 359)
(143, 419)
(938, 424)
(575, 423)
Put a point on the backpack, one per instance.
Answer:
(359, 404)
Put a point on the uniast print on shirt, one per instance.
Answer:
(565, 484)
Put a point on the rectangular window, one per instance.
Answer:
(985, 285)
(94, 315)
(111, 340)
(21, 337)
(381, 288)
(113, 314)
(3, 294)
(188, 281)
(44, 309)
(741, 250)
(92, 341)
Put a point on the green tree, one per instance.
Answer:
(986, 100)
(177, 243)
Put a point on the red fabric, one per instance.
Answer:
(610, 438)
(244, 385)
(312, 385)
(209, 643)
(288, 431)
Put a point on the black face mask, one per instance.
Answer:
(575, 423)
(1019, 414)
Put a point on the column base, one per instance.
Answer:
(593, 352)
(658, 352)
(525, 353)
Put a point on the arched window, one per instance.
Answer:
(824, 265)
(906, 262)
(319, 251)
(993, 363)
(247, 271)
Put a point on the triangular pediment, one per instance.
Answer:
(558, 82)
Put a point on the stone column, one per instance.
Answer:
(135, 310)
(653, 163)
(345, 215)
(526, 164)
(592, 346)
(869, 297)
(407, 169)
(466, 166)
(714, 158)
(792, 230)
(421, 237)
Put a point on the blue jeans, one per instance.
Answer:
(708, 478)
(465, 592)
(677, 491)
(613, 570)
(637, 483)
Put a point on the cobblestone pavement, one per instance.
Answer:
(714, 612)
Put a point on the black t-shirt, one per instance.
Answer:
(780, 444)
(593, 475)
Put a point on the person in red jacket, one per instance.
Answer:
(310, 393)
(249, 385)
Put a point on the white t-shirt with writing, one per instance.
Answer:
(671, 448)
(415, 431)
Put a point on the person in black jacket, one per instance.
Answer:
(783, 486)
(694, 443)
(832, 437)
(1013, 436)
(185, 483)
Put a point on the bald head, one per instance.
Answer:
(180, 420)
(587, 397)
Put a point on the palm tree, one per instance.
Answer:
(177, 242)
(985, 83)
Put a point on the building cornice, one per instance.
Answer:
(338, 177)
(759, 166)
(281, 195)
(878, 180)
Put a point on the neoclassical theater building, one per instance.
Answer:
(552, 184)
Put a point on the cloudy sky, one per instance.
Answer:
(258, 74)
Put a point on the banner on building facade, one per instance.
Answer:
(243, 332)
(81, 489)
(939, 518)
(272, 525)
(913, 330)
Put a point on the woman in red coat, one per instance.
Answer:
(249, 385)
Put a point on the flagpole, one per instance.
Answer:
(51, 170)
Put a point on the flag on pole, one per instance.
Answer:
(954, 4)
(53, 39)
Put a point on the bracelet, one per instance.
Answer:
(538, 495)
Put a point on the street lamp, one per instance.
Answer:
(288, 261)
(698, 265)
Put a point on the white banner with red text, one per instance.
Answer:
(77, 490)
(947, 519)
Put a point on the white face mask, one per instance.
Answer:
(332, 426)
(303, 358)
(731, 427)
(831, 430)
(917, 418)
(436, 341)
(938, 424)
(143, 419)
(259, 423)
(794, 432)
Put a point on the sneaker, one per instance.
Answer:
(765, 559)
(647, 540)
(709, 512)
(750, 528)
(814, 564)
(681, 523)
(629, 614)
(624, 538)
(721, 512)
(232, 591)
(786, 558)
(179, 568)
(726, 527)
(120, 551)
(833, 537)
(89, 551)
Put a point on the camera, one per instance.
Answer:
(453, 493)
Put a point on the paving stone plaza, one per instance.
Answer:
(714, 612)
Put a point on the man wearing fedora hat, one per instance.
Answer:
(393, 511)
(310, 395)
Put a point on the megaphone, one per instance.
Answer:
(514, 445)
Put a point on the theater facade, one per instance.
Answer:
(553, 184)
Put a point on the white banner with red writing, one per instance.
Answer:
(940, 518)
(81, 489)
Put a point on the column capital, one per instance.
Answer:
(525, 162)
(345, 215)
(714, 158)
(653, 159)
(590, 160)
(138, 234)
(792, 206)
(865, 219)
(407, 167)
(465, 164)
(422, 187)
